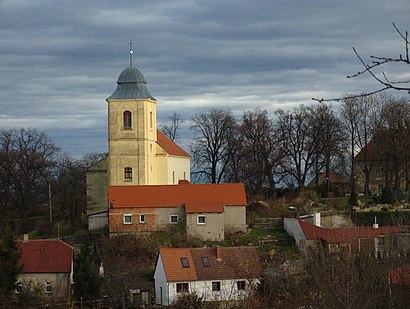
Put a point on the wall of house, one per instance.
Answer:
(117, 225)
(235, 219)
(162, 218)
(203, 289)
(60, 283)
(292, 227)
(98, 221)
(213, 229)
(161, 285)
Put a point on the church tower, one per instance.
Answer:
(132, 132)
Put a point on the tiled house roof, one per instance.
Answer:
(211, 263)
(346, 234)
(195, 197)
(169, 146)
(46, 256)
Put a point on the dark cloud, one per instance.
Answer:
(59, 60)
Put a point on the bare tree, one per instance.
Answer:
(294, 128)
(260, 151)
(171, 129)
(211, 148)
(27, 158)
(377, 67)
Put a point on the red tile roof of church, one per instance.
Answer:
(195, 197)
(45, 256)
(228, 263)
(169, 146)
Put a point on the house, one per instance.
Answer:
(208, 211)
(47, 264)
(347, 240)
(399, 283)
(338, 184)
(214, 274)
(138, 153)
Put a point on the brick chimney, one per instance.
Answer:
(25, 239)
(218, 253)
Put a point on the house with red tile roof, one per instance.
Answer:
(214, 274)
(207, 211)
(377, 240)
(49, 264)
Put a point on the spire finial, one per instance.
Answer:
(131, 52)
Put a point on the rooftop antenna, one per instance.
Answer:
(131, 52)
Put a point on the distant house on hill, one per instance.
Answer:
(347, 240)
(215, 274)
(383, 170)
(208, 211)
(336, 183)
(48, 264)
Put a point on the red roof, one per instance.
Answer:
(229, 263)
(169, 146)
(46, 256)
(346, 234)
(195, 197)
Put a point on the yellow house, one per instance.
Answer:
(138, 153)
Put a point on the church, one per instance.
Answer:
(138, 153)
(143, 183)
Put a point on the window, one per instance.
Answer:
(142, 219)
(185, 263)
(205, 261)
(127, 120)
(216, 286)
(127, 219)
(241, 285)
(48, 288)
(182, 287)
(19, 287)
(201, 219)
(150, 120)
(128, 173)
(173, 219)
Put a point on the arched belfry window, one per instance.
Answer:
(127, 120)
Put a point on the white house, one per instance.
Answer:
(212, 273)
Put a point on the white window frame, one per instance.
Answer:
(19, 287)
(143, 216)
(48, 288)
(170, 218)
(127, 216)
(198, 219)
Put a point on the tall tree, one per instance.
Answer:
(27, 158)
(211, 146)
(260, 152)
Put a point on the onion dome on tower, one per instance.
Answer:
(131, 84)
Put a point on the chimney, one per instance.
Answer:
(25, 239)
(218, 253)
(316, 218)
(375, 224)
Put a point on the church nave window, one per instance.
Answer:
(128, 173)
(127, 120)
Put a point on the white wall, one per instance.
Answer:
(292, 227)
(160, 282)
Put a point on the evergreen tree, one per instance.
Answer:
(86, 278)
(9, 264)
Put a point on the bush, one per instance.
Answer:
(188, 301)
(387, 196)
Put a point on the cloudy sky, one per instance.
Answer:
(59, 60)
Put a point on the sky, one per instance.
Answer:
(60, 59)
